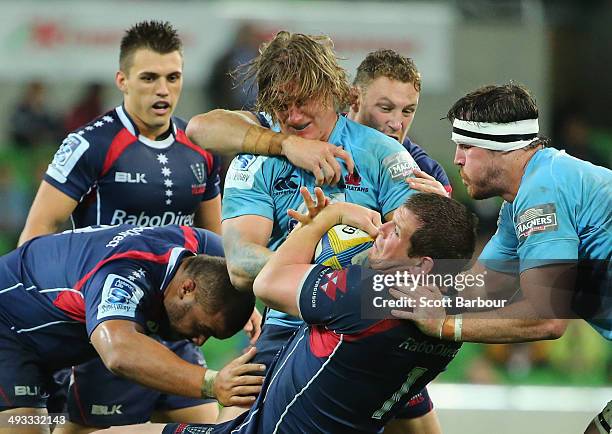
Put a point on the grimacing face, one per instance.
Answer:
(151, 89)
(311, 119)
(388, 106)
(391, 246)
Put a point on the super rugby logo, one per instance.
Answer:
(243, 161)
(120, 296)
(66, 157)
(241, 173)
(540, 218)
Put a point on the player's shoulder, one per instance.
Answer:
(369, 145)
(102, 129)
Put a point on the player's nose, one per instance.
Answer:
(162, 88)
(294, 114)
(395, 124)
(459, 159)
(385, 229)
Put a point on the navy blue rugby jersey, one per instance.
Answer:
(55, 289)
(341, 373)
(121, 177)
(428, 164)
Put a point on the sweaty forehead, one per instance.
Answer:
(398, 92)
(406, 221)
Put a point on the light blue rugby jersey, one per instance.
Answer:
(563, 211)
(269, 186)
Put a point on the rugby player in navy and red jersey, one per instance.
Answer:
(341, 372)
(132, 165)
(385, 96)
(66, 297)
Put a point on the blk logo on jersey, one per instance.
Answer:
(105, 410)
(130, 178)
(541, 218)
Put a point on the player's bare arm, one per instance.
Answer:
(244, 241)
(49, 210)
(209, 130)
(535, 316)
(208, 215)
(278, 281)
(121, 345)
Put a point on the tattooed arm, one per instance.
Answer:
(244, 241)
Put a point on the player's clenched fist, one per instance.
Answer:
(235, 384)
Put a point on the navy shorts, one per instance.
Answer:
(99, 398)
(199, 428)
(24, 382)
(417, 406)
(270, 342)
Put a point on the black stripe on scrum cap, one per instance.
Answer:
(503, 138)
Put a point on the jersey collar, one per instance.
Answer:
(130, 125)
(176, 255)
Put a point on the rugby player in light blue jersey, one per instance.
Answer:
(554, 235)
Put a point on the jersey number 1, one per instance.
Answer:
(413, 376)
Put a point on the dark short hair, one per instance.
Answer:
(447, 232)
(504, 103)
(216, 293)
(158, 36)
(306, 65)
(390, 64)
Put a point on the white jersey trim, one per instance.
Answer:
(280, 420)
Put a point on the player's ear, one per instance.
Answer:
(121, 81)
(355, 98)
(426, 264)
(188, 287)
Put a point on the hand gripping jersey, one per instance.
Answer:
(428, 164)
(563, 211)
(120, 177)
(269, 186)
(341, 373)
(55, 290)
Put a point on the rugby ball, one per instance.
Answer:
(340, 244)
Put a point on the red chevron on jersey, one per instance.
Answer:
(336, 280)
